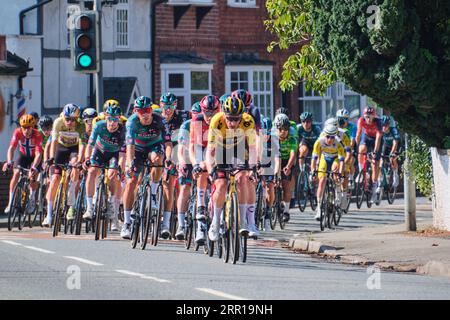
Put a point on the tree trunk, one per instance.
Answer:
(441, 194)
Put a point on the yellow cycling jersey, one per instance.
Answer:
(69, 137)
(102, 116)
(220, 135)
(335, 150)
(343, 138)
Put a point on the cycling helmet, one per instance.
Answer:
(27, 120)
(281, 121)
(113, 111)
(369, 110)
(35, 116)
(168, 99)
(142, 102)
(332, 121)
(266, 124)
(45, 123)
(196, 108)
(306, 116)
(71, 110)
(283, 110)
(385, 120)
(244, 95)
(110, 102)
(343, 113)
(210, 103)
(233, 106)
(330, 129)
(223, 98)
(89, 113)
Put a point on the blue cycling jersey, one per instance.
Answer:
(144, 137)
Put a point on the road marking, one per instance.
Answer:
(12, 243)
(93, 263)
(38, 249)
(142, 276)
(220, 294)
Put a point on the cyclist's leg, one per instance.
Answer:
(218, 202)
(130, 186)
(183, 199)
(113, 183)
(74, 179)
(363, 149)
(21, 161)
(303, 153)
(287, 183)
(269, 197)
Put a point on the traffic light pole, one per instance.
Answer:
(98, 77)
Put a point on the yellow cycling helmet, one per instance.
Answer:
(27, 120)
(233, 106)
(110, 103)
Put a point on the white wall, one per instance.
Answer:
(441, 198)
(9, 16)
(8, 86)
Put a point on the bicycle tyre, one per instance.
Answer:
(56, 213)
(99, 207)
(157, 222)
(360, 181)
(235, 237)
(147, 218)
(391, 190)
(301, 192)
(14, 209)
(323, 210)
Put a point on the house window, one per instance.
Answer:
(321, 106)
(189, 82)
(122, 18)
(257, 80)
(352, 102)
(242, 3)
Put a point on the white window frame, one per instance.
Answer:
(185, 69)
(239, 4)
(122, 5)
(250, 70)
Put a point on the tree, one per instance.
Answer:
(395, 51)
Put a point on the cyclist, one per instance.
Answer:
(391, 145)
(369, 137)
(222, 100)
(67, 145)
(266, 168)
(342, 116)
(232, 130)
(328, 155)
(35, 115)
(146, 138)
(45, 128)
(209, 105)
(88, 116)
(250, 108)
(105, 142)
(308, 133)
(29, 141)
(173, 120)
(184, 171)
(286, 149)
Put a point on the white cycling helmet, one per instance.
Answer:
(332, 121)
(343, 113)
(330, 129)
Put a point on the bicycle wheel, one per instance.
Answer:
(368, 191)
(79, 208)
(259, 204)
(235, 237)
(360, 182)
(323, 210)
(146, 219)
(15, 207)
(302, 190)
(190, 225)
(24, 217)
(391, 190)
(36, 212)
(57, 212)
(157, 215)
(100, 206)
(280, 210)
(243, 253)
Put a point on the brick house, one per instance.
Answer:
(207, 46)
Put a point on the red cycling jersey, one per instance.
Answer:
(370, 130)
(28, 146)
(199, 131)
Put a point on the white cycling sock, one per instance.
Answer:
(90, 202)
(181, 216)
(201, 197)
(166, 218)
(251, 214)
(243, 215)
(127, 216)
(216, 216)
(50, 210)
(11, 194)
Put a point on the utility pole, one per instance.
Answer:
(99, 75)
(410, 192)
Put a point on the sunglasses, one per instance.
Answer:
(209, 113)
(331, 137)
(306, 121)
(169, 106)
(68, 119)
(144, 111)
(27, 128)
(113, 119)
(284, 129)
(233, 119)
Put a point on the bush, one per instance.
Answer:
(419, 165)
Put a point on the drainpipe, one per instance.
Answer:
(24, 11)
(153, 37)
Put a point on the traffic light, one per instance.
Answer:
(83, 42)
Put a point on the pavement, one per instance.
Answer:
(388, 247)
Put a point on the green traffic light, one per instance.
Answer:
(85, 60)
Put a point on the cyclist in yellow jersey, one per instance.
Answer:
(68, 143)
(229, 131)
(102, 116)
(328, 155)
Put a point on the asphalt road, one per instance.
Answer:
(36, 266)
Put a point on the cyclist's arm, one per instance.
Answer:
(10, 154)
(358, 131)
(277, 165)
(169, 148)
(47, 151)
(378, 141)
(81, 150)
(291, 160)
(316, 154)
(37, 159)
(53, 148)
(130, 155)
(210, 158)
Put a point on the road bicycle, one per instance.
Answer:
(305, 190)
(18, 210)
(363, 182)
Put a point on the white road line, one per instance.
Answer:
(220, 294)
(38, 249)
(142, 276)
(93, 263)
(12, 243)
